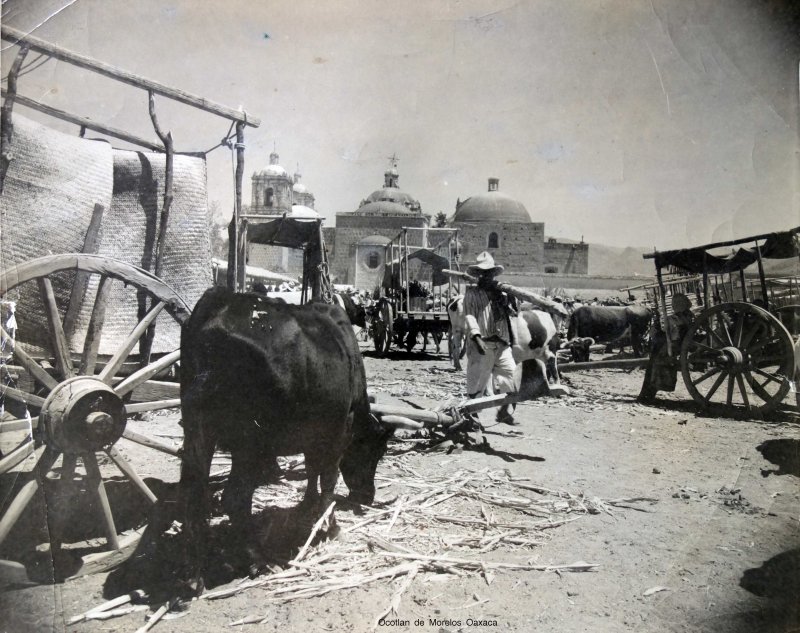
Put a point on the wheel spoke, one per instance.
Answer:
(714, 388)
(128, 470)
(729, 397)
(768, 376)
(749, 336)
(18, 455)
(21, 396)
(737, 332)
(138, 438)
(705, 348)
(708, 374)
(57, 337)
(145, 373)
(45, 459)
(61, 502)
(139, 407)
(19, 425)
(725, 328)
(718, 338)
(757, 388)
(94, 332)
(740, 382)
(35, 369)
(96, 485)
(116, 361)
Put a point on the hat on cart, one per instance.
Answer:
(483, 262)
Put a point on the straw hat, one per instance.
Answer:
(483, 262)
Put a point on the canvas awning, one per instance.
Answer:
(285, 231)
(781, 245)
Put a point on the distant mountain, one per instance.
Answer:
(615, 260)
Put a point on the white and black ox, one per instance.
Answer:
(260, 378)
(612, 325)
(535, 345)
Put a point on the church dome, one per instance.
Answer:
(392, 194)
(491, 206)
(384, 207)
(273, 169)
(299, 187)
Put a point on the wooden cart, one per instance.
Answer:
(737, 353)
(64, 408)
(415, 290)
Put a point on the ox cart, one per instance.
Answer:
(737, 351)
(415, 290)
(88, 340)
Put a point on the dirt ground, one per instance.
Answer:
(688, 523)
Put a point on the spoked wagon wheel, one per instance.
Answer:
(382, 328)
(737, 354)
(70, 409)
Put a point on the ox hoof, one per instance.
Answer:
(558, 391)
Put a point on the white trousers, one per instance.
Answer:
(497, 363)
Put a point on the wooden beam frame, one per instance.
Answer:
(85, 123)
(82, 61)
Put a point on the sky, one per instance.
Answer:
(646, 123)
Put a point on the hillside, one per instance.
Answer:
(615, 260)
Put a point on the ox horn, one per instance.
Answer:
(401, 422)
(590, 339)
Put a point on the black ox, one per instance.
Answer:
(608, 324)
(261, 378)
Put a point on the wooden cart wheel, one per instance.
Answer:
(738, 355)
(70, 409)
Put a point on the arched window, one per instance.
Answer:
(493, 241)
(269, 198)
(373, 260)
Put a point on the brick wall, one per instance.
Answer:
(520, 247)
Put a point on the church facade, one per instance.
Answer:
(489, 221)
(275, 192)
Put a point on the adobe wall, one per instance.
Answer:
(572, 259)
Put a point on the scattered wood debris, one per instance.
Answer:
(462, 523)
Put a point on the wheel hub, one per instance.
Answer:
(733, 356)
(83, 414)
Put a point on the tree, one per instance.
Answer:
(441, 220)
(218, 231)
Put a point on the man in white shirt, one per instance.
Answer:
(488, 318)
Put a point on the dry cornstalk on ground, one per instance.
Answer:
(463, 523)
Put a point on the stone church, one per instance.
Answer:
(489, 221)
(275, 192)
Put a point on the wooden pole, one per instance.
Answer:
(6, 124)
(241, 239)
(667, 324)
(86, 123)
(622, 363)
(762, 277)
(146, 343)
(82, 61)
